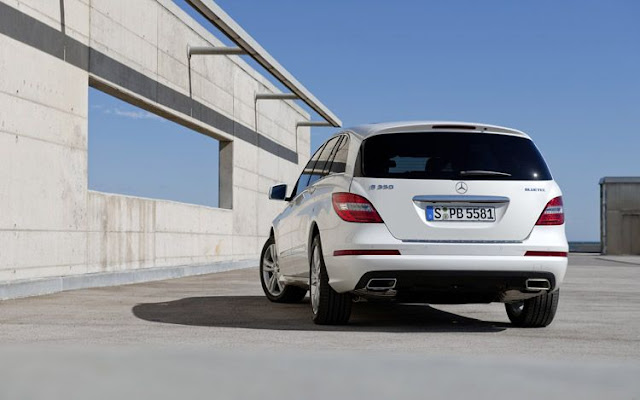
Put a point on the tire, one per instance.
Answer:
(275, 290)
(327, 306)
(536, 312)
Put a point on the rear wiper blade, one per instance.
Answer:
(480, 172)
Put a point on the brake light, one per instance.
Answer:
(553, 213)
(353, 208)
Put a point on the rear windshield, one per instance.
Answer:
(443, 155)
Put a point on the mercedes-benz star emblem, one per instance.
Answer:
(461, 187)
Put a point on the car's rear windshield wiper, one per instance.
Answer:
(480, 172)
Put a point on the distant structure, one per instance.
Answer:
(620, 215)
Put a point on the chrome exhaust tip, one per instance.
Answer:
(381, 284)
(537, 284)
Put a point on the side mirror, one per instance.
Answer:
(278, 192)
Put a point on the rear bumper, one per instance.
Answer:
(347, 272)
(506, 258)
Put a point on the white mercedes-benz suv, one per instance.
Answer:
(420, 212)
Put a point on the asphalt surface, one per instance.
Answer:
(220, 330)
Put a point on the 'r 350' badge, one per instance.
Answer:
(381, 187)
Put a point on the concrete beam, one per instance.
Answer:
(229, 27)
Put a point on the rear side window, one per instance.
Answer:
(442, 155)
(323, 160)
(339, 162)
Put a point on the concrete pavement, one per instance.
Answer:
(598, 316)
(220, 316)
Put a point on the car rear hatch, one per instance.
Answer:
(454, 186)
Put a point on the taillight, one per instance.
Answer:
(353, 208)
(553, 213)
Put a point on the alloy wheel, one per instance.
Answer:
(314, 287)
(271, 271)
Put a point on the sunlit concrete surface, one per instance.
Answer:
(51, 224)
(219, 331)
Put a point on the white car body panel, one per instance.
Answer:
(406, 219)
(498, 246)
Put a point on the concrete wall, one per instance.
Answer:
(50, 223)
(620, 215)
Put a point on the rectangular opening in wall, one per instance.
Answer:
(135, 152)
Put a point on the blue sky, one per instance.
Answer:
(567, 73)
(134, 152)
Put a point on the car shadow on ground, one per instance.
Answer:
(256, 312)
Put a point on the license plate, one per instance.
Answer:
(468, 214)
